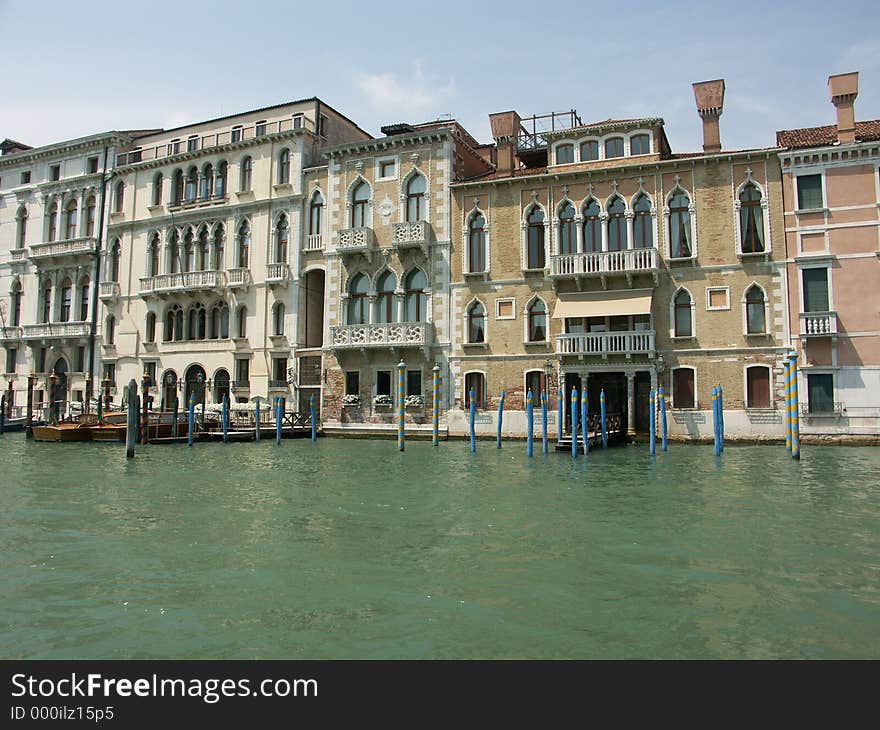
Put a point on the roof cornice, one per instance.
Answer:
(59, 149)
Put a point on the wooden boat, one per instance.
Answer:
(63, 432)
(17, 424)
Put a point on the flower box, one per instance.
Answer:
(351, 400)
(414, 401)
(383, 401)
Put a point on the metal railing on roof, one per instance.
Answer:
(531, 128)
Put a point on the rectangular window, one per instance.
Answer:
(383, 382)
(110, 372)
(717, 297)
(758, 387)
(641, 322)
(11, 355)
(683, 388)
(414, 382)
(242, 371)
(150, 370)
(820, 387)
(815, 289)
(280, 368)
(387, 168)
(175, 146)
(564, 154)
(310, 370)
(596, 324)
(352, 382)
(26, 177)
(505, 309)
(92, 165)
(236, 134)
(477, 383)
(38, 399)
(640, 144)
(322, 125)
(78, 396)
(54, 172)
(589, 151)
(192, 144)
(297, 121)
(260, 129)
(619, 323)
(809, 191)
(535, 383)
(41, 360)
(80, 362)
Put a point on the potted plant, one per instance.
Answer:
(414, 401)
(383, 401)
(351, 399)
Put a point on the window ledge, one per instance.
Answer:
(681, 259)
(754, 254)
(683, 338)
(756, 334)
(760, 409)
(476, 274)
(806, 211)
(283, 187)
(534, 272)
(115, 217)
(542, 343)
(245, 194)
(475, 345)
(156, 208)
(695, 409)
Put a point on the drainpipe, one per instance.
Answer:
(96, 279)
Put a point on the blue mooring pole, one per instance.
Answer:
(472, 405)
(191, 418)
(574, 423)
(278, 421)
(500, 418)
(795, 410)
(435, 411)
(721, 417)
(530, 424)
(786, 374)
(559, 424)
(401, 405)
(225, 418)
(652, 423)
(544, 422)
(257, 420)
(314, 418)
(715, 420)
(585, 420)
(662, 399)
(604, 420)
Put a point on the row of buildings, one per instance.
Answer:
(285, 252)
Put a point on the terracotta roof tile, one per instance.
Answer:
(820, 136)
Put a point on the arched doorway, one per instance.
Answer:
(221, 385)
(60, 397)
(312, 312)
(194, 384)
(169, 390)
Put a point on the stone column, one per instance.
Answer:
(81, 221)
(630, 217)
(630, 403)
(371, 315)
(399, 302)
(579, 232)
(603, 227)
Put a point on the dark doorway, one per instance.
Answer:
(572, 381)
(60, 371)
(194, 382)
(643, 395)
(312, 319)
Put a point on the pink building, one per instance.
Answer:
(831, 198)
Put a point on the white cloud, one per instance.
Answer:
(409, 99)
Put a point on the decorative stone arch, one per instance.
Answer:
(693, 369)
(672, 299)
(465, 400)
(466, 236)
(524, 228)
(191, 383)
(349, 193)
(745, 314)
(578, 219)
(414, 171)
(466, 321)
(745, 375)
(635, 133)
(631, 213)
(562, 143)
(765, 212)
(526, 321)
(692, 211)
(589, 138)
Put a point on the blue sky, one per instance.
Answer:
(76, 68)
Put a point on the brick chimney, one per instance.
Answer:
(710, 104)
(505, 131)
(844, 89)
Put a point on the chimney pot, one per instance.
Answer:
(709, 96)
(844, 88)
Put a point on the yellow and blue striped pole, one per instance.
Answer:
(652, 423)
(585, 420)
(574, 423)
(530, 424)
(544, 421)
(435, 422)
(795, 412)
(472, 407)
(661, 399)
(401, 403)
(786, 375)
(602, 415)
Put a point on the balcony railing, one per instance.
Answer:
(278, 384)
(818, 324)
(406, 334)
(355, 240)
(411, 235)
(604, 263)
(241, 384)
(606, 343)
(55, 330)
(8, 334)
(314, 242)
(216, 139)
(109, 289)
(823, 410)
(19, 254)
(240, 277)
(277, 273)
(188, 281)
(57, 249)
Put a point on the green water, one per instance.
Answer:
(349, 549)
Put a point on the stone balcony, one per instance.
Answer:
(238, 278)
(183, 283)
(818, 324)
(109, 291)
(58, 251)
(10, 334)
(352, 241)
(19, 255)
(411, 235)
(394, 335)
(603, 344)
(277, 274)
(314, 242)
(605, 264)
(56, 331)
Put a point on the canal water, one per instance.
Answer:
(349, 549)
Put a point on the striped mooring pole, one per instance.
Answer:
(472, 406)
(662, 400)
(716, 441)
(401, 404)
(561, 403)
(278, 420)
(500, 418)
(546, 446)
(435, 406)
(602, 415)
(225, 418)
(652, 423)
(257, 420)
(191, 418)
(585, 420)
(530, 424)
(795, 410)
(721, 417)
(314, 418)
(786, 376)
(574, 423)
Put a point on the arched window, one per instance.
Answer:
(757, 386)
(751, 220)
(284, 166)
(203, 255)
(70, 218)
(643, 229)
(476, 321)
(115, 252)
(415, 199)
(207, 182)
(535, 240)
(617, 224)
(46, 309)
(53, 222)
(679, 224)
(640, 144)
(357, 300)
(477, 244)
(614, 147)
(175, 264)
(16, 305)
(567, 230)
(66, 300)
(756, 323)
(244, 244)
(592, 227)
(241, 325)
(119, 198)
(564, 154)
(475, 382)
(189, 250)
(537, 312)
(219, 247)
(360, 197)
(150, 329)
(220, 180)
(282, 234)
(197, 322)
(192, 184)
(244, 184)
(278, 319)
(316, 211)
(84, 287)
(168, 332)
(157, 189)
(214, 332)
(177, 187)
(224, 321)
(385, 309)
(21, 227)
(90, 216)
(683, 314)
(415, 305)
(684, 392)
(221, 386)
(110, 331)
(589, 151)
